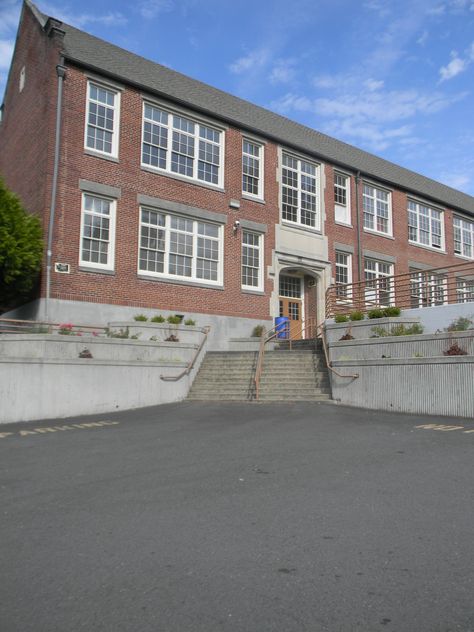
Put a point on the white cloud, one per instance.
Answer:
(283, 71)
(6, 52)
(79, 20)
(254, 60)
(373, 84)
(9, 15)
(457, 65)
(423, 38)
(149, 9)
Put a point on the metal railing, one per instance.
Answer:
(174, 378)
(322, 327)
(16, 326)
(417, 288)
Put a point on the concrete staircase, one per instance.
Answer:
(297, 375)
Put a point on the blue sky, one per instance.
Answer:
(393, 77)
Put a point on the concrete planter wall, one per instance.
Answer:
(161, 331)
(363, 328)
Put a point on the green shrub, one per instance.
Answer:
(190, 322)
(258, 330)
(460, 324)
(398, 330)
(136, 336)
(121, 333)
(357, 315)
(140, 318)
(391, 311)
(174, 320)
(377, 312)
(341, 318)
(158, 319)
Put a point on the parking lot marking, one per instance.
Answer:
(48, 429)
(443, 428)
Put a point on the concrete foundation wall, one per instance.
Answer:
(439, 317)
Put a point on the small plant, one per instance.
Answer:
(392, 311)
(154, 339)
(190, 322)
(460, 324)
(66, 329)
(172, 338)
(377, 312)
(158, 319)
(136, 336)
(347, 336)
(174, 320)
(341, 318)
(121, 333)
(356, 315)
(85, 353)
(258, 331)
(379, 332)
(454, 350)
(397, 330)
(140, 318)
(417, 355)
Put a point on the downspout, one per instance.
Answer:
(359, 239)
(61, 72)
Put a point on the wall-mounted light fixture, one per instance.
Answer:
(236, 226)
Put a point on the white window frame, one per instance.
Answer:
(427, 289)
(463, 232)
(111, 241)
(300, 160)
(342, 212)
(259, 159)
(413, 207)
(260, 250)
(116, 119)
(169, 126)
(464, 290)
(193, 278)
(375, 291)
(374, 197)
(342, 291)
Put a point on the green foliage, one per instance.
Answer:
(398, 330)
(154, 339)
(460, 324)
(158, 319)
(377, 312)
(190, 322)
(258, 331)
(357, 315)
(174, 320)
(140, 318)
(21, 249)
(341, 318)
(136, 336)
(391, 311)
(121, 333)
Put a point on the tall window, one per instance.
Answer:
(378, 284)
(252, 174)
(300, 192)
(178, 247)
(97, 232)
(425, 225)
(252, 277)
(343, 274)
(342, 198)
(377, 214)
(463, 237)
(464, 290)
(427, 289)
(102, 120)
(180, 145)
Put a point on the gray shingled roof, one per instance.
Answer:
(108, 59)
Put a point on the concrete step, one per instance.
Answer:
(296, 398)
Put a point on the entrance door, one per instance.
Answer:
(291, 304)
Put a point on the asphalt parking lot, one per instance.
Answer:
(198, 517)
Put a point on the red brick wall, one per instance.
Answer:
(124, 287)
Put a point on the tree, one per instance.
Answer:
(21, 250)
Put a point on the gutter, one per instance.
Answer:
(359, 236)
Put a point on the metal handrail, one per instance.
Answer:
(15, 326)
(174, 378)
(264, 338)
(405, 290)
(326, 355)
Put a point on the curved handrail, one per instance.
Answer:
(328, 363)
(264, 338)
(174, 378)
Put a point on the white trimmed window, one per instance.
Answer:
(300, 192)
(378, 284)
(97, 232)
(178, 247)
(377, 210)
(463, 237)
(342, 198)
(464, 290)
(252, 268)
(425, 225)
(102, 119)
(343, 274)
(182, 146)
(252, 169)
(427, 289)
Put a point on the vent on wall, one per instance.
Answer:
(62, 268)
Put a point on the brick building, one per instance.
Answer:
(158, 192)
